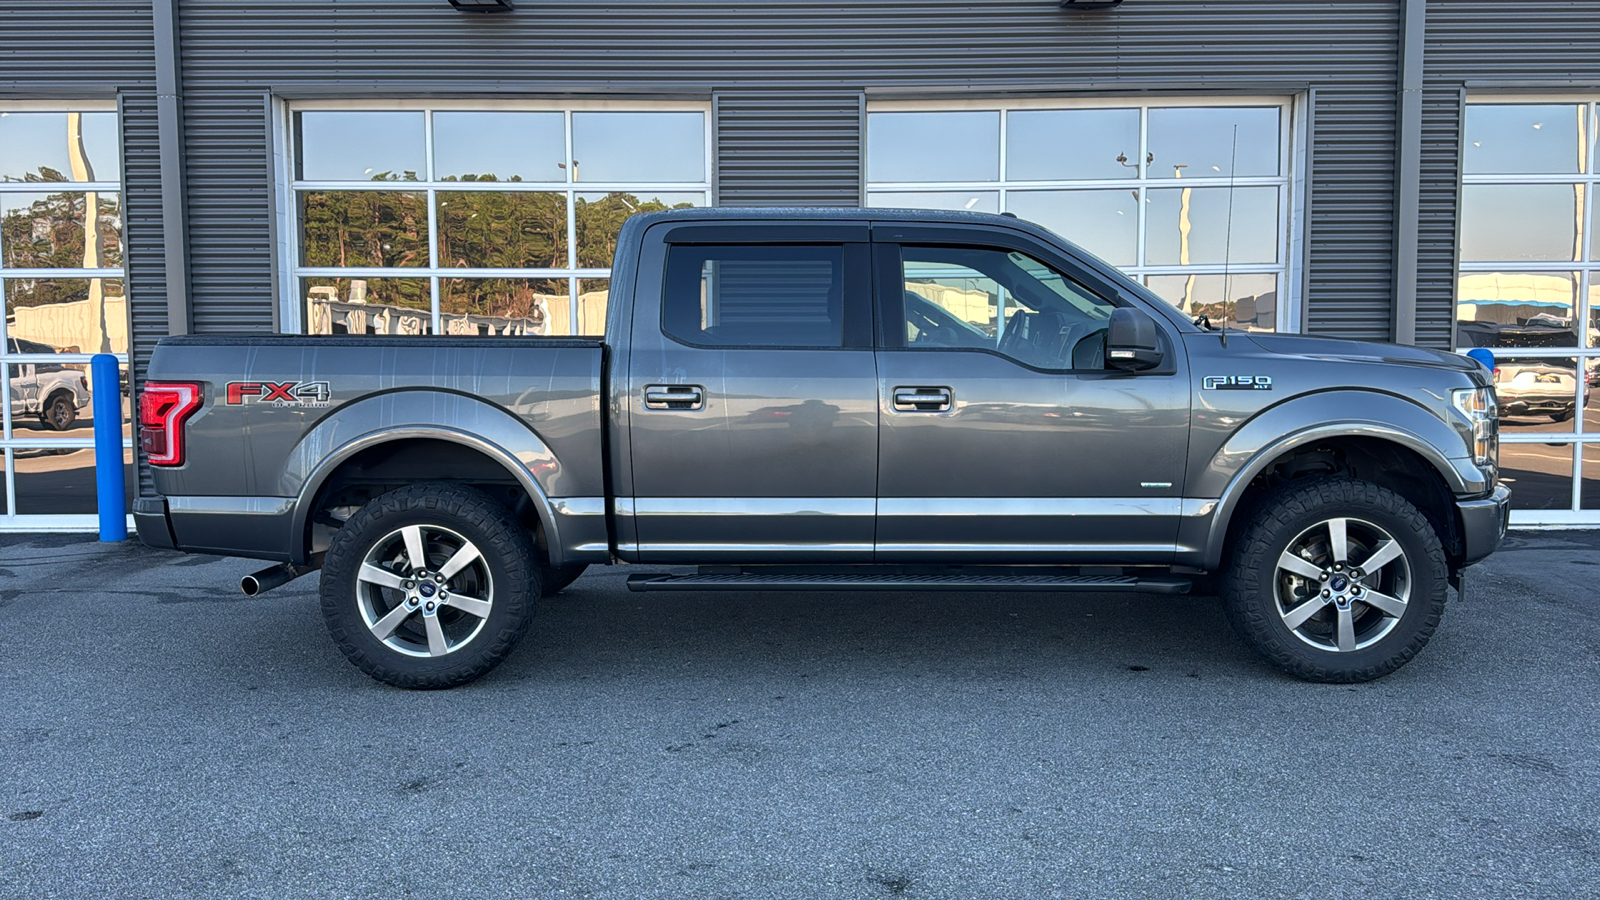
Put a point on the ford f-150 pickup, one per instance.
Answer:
(861, 399)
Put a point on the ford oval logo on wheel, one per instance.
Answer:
(1339, 583)
(426, 590)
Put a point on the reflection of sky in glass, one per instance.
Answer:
(639, 146)
(1105, 223)
(528, 145)
(1523, 139)
(1254, 232)
(975, 201)
(1512, 222)
(939, 146)
(1061, 144)
(1202, 141)
(29, 141)
(358, 146)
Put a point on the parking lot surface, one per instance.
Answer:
(164, 736)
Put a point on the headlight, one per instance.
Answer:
(1479, 424)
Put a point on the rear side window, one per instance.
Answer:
(755, 296)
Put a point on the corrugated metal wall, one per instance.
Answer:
(1531, 46)
(787, 80)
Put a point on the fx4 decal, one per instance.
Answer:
(1238, 383)
(286, 393)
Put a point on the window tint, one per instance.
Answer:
(755, 296)
(1008, 302)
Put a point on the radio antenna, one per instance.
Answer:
(1227, 246)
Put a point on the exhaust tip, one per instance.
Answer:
(250, 585)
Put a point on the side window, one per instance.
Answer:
(1008, 302)
(755, 295)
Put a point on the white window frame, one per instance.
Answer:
(11, 520)
(291, 314)
(1588, 269)
(1290, 181)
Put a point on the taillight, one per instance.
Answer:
(163, 408)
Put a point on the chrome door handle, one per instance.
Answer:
(674, 396)
(922, 399)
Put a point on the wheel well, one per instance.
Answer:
(384, 467)
(60, 392)
(1374, 460)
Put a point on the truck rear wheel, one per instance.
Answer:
(429, 586)
(59, 412)
(1336, 580)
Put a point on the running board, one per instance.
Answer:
(871, 582)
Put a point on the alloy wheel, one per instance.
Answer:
(424, 590)
(1342, 584)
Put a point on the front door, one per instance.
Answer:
(753, 396)
(1004, 437)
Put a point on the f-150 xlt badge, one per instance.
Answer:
(287, 393)
(1238, 382)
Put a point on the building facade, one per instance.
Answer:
(1409, 170)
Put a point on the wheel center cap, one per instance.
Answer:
(1339, 583)
(426, 590)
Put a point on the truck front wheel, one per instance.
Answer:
(429, 586)
(1336, 580)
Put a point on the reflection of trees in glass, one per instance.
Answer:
(599, 221)
(49, 232)
(502, 229)
(508, 298)
(363, 228)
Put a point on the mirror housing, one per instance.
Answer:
(1133, 342)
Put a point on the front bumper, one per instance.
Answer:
(1483, 524)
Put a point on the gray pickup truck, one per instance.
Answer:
(834, 400)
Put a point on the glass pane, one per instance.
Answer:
(55, 400)
(1539, 475)
(1594, 309)
(360, 146)
(976, 201)
(379, 229)
(1516, 309)
(1190, 226)
(61, 481)
(755, 295)
(1198, 142)
(1591, 476)
(367, 305)
(639, 146)
(502, 230)
(499, 146)
(1536, 394)
(1105, 223)
(1516, 222)
(55, 146)
(592, 296)
(5, 461)
(1251, 300)
(1524, 139)
(46, 231)
(500, 307)
(972, 304)
(70, 315)
(933, 146)
(1061, 144)
(600, 217)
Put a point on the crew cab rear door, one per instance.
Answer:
(752, 393)
(1003, 437)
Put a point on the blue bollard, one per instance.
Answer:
(110, 485)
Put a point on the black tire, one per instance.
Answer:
(1264, 599)
(59, 412)
(558, 580)
(358, 603)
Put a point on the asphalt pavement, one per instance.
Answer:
(163, 736)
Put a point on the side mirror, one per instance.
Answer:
(1133, 343)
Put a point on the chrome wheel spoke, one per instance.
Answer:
(1389, 606)
(1293, 562)
(391, 620)
(460, 560)
(1339, 540)
(436, 642)
(415, 551)
(472, 606)
(1347, 630)
(1386, 552)
(380, 576)
(1296, 617)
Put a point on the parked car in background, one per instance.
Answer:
(54, 392)
(1537, 387)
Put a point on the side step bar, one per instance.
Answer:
(872, 582)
